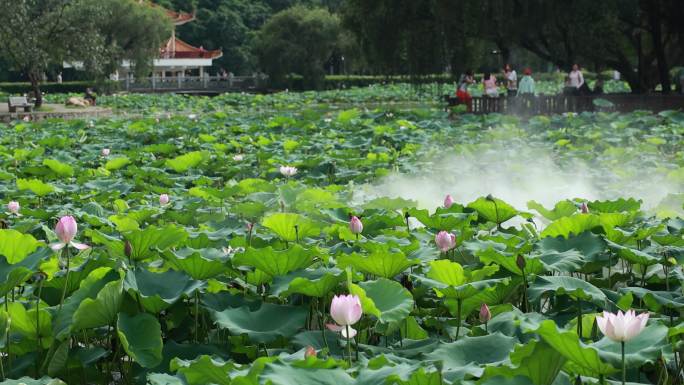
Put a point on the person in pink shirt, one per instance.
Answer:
(489, 82)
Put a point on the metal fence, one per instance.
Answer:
(556, 104)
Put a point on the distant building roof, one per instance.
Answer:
(178, 18)
(176, 48)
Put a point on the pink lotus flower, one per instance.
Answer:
(105, 152)
(346, 311)
(288, 171)
(445, 241)
(622, 327)
(309, 352)
(355, 225)
(164, 199)
(13, 207)
(448, 201)
(584, 208)
(66, 230)
(485, 314)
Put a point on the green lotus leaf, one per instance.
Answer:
(141, 338)
(495, 210)
(290, 227)
(187, 161)
(583, 358)
(379, 263)
(276, 263)
(264, 325)
(101, 310)
(573, 225)
(13, 275)
(204, 370)
(117, 163)
(279, 373)
(59, 168)
(36, 186)
(633, 255)
(199, 264)
(443, 221)
(574, 287)
(31, 381)
(158, 291)
(15, 246)
(309, 282)
(158, 238)
(536, 360)
(387, 300)
(656, 300)
(469, 355)
(561, 209)
(616, 206)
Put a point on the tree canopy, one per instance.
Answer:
(35, 34)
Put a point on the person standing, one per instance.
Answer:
(526, 86)
(59, 78)
(462, 91)
(576, 77)
(511, 80)
(489, 82)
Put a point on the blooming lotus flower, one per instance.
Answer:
(105, 152)
(445, 241)
(13, 207)
(485, 314)
(355, 225)
(584, 208)
(27, 118)
(66, 230)
(622, 327)
(164, 199)
(346, 311)
(288, 171)
(448, 201)
(238, 157)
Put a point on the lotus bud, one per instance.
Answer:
(490, 197)
(238, 157)
(355, 225)
(66, 229)
(448, 201)
(128, 249)
(584, 208)
(13, 207)
(164, 199)
(309, 352)
(485, 314)
(445, 241)
(105, 152)
(520, 262)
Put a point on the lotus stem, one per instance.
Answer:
(579, 318)
(196, 314)
(349, 347)
(40, 342)
(65, 254)
(624, 369)
(458, 317)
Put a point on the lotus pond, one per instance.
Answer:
(206, 247)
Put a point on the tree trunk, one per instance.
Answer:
(35, 86)
(656, 34)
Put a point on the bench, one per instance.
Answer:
(19, 101)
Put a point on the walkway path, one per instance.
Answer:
(50, 111)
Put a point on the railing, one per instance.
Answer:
(556, 104)
(194, 83)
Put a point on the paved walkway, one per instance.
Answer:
(49, 111)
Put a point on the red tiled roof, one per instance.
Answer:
(186, 51)
(178, 18)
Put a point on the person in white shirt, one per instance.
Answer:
(511, 80)
(576, 77)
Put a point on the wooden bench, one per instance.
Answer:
(19, 101)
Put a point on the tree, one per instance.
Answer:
(297, 40)
(35, 34)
